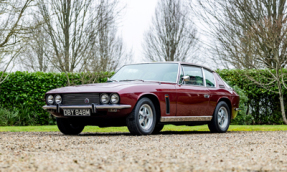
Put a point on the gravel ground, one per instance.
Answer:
(176, 151)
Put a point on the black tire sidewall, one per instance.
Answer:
(215, 120)
(65, 127)
(158, 128)
(136, 115)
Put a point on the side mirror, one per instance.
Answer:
(186, 78)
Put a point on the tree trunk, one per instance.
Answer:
(68, 79)
(281, 98)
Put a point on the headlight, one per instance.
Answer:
(115, 98)
(58, 99)
(50, 99)
(105, 98)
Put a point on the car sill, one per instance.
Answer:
(185, 118)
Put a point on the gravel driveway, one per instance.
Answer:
(169, 151)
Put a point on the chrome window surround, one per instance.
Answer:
(204, 81)
(213, 78)
(204, 84)
(178, 73)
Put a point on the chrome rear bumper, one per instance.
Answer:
(237, 109)
(93, 107)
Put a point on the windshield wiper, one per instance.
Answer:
(112, 80)
(131, 80)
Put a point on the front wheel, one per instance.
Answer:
(68, 128)
(142, 120)
(221, 118)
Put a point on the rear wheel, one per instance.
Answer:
(143, 118)
(221, 118)
(68, 128)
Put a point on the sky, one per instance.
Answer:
(135, 22)
(137, 19)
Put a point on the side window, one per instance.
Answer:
(209, 78)
(195, 75)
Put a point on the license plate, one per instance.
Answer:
(77, 112)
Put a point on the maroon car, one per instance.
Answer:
(144, 97)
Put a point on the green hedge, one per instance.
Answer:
(23, 93)
(262, 105)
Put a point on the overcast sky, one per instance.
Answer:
(136, 21)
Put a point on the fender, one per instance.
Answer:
(232, 108)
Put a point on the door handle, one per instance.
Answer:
(206, 96)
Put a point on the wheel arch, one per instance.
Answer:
(156, 103)
(228, 102)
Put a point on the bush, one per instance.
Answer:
(23, 94)
(263, 105)
(243, 116)
(15, 118)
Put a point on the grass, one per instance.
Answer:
(166, 128)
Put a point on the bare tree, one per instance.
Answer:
(172, 36)
(34, 57)
(12, 29)
(110, 51)
(72, 29)
(251, 35)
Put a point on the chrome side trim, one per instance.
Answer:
(185, 118)
(53, 107)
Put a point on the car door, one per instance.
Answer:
(210, 83)
(192, 96)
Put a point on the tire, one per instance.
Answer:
(221, 118)
(142, 120)
(67, 128)
(157, 128)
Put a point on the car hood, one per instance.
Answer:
(100, 87)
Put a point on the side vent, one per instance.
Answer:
(221, 86)
(167, 104)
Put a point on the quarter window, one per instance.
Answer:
(209, 78)
(195, 75)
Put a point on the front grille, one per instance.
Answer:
(79, 99)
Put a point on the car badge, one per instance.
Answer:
(87, 100)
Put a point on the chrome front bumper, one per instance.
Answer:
(93, 107)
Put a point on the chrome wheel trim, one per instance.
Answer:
(145, 117)
(222, 117)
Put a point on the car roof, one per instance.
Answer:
(182, 63)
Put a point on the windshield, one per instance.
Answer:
(163, 72)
